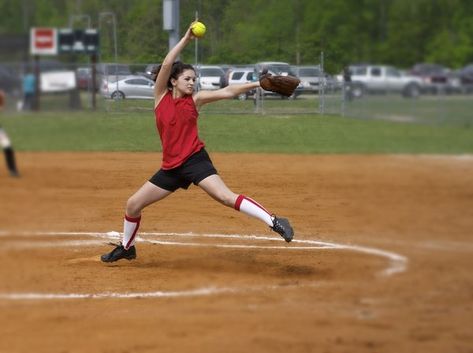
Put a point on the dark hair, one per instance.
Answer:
(177, 68)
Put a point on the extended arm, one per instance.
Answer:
(204, 97)
(160, 87)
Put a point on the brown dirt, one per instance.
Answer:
(271, 299)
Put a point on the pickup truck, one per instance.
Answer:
(382, 79)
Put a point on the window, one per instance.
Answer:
(376, 72)
(137, 81)
(211, 72)
(359, 71)
(237, 75)
(392, 72)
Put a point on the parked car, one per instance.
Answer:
(227, 69)
(382, 79)
(435, 78)
(112, 72)
(311, 78)
(10, 82)
(84, 79)
(149, 69)
(275, 68)
(209, 77)
(131, 87)
(242, 75)
(465, 77)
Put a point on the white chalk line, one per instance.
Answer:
(397, 263)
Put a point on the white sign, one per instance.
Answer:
(58, 81)
(43, 41)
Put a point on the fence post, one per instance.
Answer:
(322, 87)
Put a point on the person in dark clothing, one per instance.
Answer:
(347, 83)
(6, 144)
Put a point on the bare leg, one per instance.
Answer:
(216, 188)
(145, 196)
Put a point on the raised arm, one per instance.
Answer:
(161, 85)
(204, 97)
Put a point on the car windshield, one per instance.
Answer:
(211, 72)
(279, 68)
(305, 71)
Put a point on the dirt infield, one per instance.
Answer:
(382, 259)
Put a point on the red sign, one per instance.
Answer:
(43, 41)
(44, 38)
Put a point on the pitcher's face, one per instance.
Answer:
(185, 82)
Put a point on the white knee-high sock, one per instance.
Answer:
(252, 208)
(130, 228)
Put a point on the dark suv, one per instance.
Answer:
(436, 78)
(10, 82)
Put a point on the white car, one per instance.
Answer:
(274, 68)
(210, 77)
(311, 78)
(242, 75)
(131, 87)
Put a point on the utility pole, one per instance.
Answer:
(171, 21)
(114, 24)
(72, 18)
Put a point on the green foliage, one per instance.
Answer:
(398, 32)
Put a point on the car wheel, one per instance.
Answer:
(242, 97)
(357, 90)
(412, 91)
(117, 95)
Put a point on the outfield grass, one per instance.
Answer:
(136, 131)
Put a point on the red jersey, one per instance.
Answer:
(176, 121)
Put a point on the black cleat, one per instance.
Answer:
(119, 253)
(282, 226)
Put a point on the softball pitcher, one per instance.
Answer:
(185, 159)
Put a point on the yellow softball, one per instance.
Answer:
(198, 29)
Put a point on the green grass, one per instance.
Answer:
(136, 131)
(433, 109)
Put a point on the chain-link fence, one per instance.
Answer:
(106, 95)
(328, 97)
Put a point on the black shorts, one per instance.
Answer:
(195, 169)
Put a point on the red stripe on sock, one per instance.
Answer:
(238, 202)
(132, 236)
(131, 219)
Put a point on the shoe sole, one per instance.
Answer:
(129, 258)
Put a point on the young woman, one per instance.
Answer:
(185, 159)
